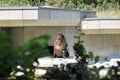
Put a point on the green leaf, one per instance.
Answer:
(91, 55)
(97, 59)
(110, 72)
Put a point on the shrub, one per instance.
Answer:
(7, 57)
(23, 56)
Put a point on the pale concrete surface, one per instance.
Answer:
(50, 62)
(11, 23)
(101, 26)
(64, 15)
(8, 15)
(47, 13)
(18, 13)
(104, 45)
(90, 25)
(91, 31)
(109, 31)
(30, 14)
(109, 24)
(38, 23)
(45, 23)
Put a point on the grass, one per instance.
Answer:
(109, 14)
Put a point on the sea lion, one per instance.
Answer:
(60, 46)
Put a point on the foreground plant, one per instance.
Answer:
(29, 54)
(21, 59)
(7, 57)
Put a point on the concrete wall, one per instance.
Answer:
(15, 13)
(64, 14)
(101, 26)
(17, 36)
(102, 36)
(58, 14)
(69, 33)
(23, 34)
(104, 45)
(19, 13)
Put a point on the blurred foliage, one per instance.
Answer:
(7, 57)
(68, 4)
(23, 56)
(85, 4)
(19, 3)
(30, 52)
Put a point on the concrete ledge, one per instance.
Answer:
(88, 25)
(109, 31)
(57, 23)
(109, 24)
(11, 23)
(101, 31)
(101, 26)
(91, 31)
(37, 23)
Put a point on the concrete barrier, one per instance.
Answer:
(101, 25)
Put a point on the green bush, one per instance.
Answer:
(7, 57)
(29, 53)
(23, 56)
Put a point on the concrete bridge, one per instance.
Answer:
(102, 35)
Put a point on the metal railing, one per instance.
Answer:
(19, 3)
